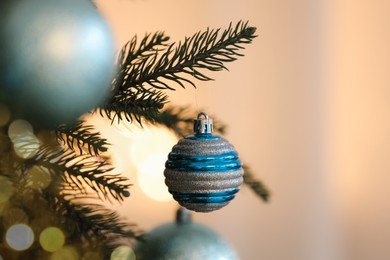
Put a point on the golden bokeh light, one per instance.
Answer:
(91, 256)
(151, 139)
(6, 189)
(3, 207)
(19, 237)
(13, 216)
(38, 177)
(151, 178)
(19, 127)
(26, 144)
(149, 153)
(65, 253)
(52, 239)
(123, 253)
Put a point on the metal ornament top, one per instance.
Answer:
(203, 124)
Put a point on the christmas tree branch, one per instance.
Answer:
(92, 222)
(203, 51)
(257, 186)
(129, 55)
(80, 136)
(150, 44)
(81, 170)
(135, 104)
(155, 65)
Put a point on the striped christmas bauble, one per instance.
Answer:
(203, 171)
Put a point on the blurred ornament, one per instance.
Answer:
(56, 59)
(183, 239)
(203, 172)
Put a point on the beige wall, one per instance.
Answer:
(307, 110)
(359, 128)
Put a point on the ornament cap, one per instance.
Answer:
(203, 124)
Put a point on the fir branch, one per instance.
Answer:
(177, 119)
(203, 51)
(148, 46)
(80, 136)
(81, 170)
(93, 222)
(257, 186)
(134, 104)
(129, 54)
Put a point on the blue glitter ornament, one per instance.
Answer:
(203, 171)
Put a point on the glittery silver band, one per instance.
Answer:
(206, 147)
(197, 182)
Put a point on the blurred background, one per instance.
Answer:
(307, 108)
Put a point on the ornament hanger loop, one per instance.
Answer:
(203, 125)
(203, 114)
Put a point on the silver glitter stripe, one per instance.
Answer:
(202, 176)
(202, 207)
(203, 186)
(204, 147)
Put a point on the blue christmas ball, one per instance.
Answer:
(56, 59)
(183, 239)
(203, 171)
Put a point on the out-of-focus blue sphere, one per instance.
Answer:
(179, 241)
(56, 59)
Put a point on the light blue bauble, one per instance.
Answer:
(183, 240)
(56, 59)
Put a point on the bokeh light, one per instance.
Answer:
(13, 216)
(6, 189)
(149, 152)
(26, 144)
(149, 140)
(3, 207)
(65, 253)
(123, 253)
(91, 256)
(19, 127)
(5, 115)
(52, 239)
(38, 177)
(151, 178)
(19, 237)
